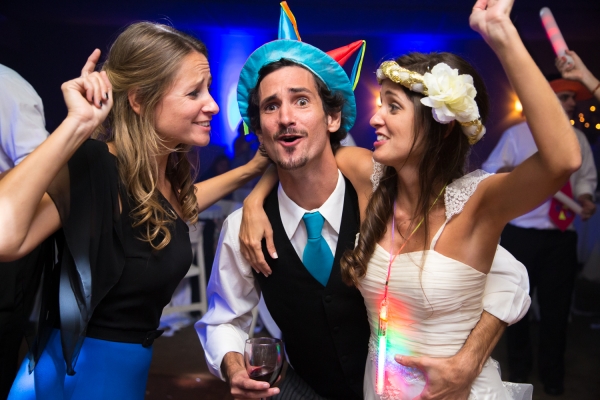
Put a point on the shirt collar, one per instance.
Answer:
(291, 213)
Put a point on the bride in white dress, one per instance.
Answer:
(429, 233)
(434, 302)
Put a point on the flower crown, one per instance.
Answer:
(450, 95)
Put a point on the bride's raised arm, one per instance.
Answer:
(515, 193)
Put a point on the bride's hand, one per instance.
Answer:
(89, 97)
(491, 19)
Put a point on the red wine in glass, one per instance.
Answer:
(263, 359)
(265, 374)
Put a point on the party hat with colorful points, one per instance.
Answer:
(327, 66)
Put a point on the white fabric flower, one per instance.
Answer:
(450, 95)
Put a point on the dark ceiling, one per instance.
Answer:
(578, 19)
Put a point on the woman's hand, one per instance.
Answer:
(255, 226)
(576, 71)
(260, 162)
(491, 19)
(89, 97)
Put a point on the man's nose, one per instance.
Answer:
(286, 115)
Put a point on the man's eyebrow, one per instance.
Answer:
(299, 90)
(269, 99)
(291, 90)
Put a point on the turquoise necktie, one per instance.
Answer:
(317, 257)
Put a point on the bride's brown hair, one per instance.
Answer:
(444, 156)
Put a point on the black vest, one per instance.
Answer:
(325, 329)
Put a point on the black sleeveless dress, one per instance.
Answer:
(108, 284)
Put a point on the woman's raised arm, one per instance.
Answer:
(28, 214)
(513, 194)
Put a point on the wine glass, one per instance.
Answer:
(263, 359)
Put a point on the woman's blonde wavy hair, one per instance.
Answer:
(145, 59)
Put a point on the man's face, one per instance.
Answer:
(567, 100)
(293, 126)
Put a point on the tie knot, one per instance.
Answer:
(314, 224)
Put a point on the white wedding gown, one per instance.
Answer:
(431, 311)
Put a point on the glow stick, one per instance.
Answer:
(556, 38)
(569, 202)
(382, 345)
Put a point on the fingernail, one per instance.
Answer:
(266, 276)
(274, 255)
(106, 94)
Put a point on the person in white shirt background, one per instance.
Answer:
(22, 129)
(544, 239)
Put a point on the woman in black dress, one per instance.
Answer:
(118, 205)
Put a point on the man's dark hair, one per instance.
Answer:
(332, 101)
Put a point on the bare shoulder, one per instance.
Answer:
(356, 163)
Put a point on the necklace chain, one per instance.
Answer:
(392, 255)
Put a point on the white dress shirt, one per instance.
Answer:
(515, 146)
(232, 291)
(21, 119)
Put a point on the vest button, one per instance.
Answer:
(345, 359)
(328, 299)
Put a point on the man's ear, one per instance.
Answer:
(334, 121)
(133, 102)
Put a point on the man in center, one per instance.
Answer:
(300, 103)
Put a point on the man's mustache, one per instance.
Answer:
(290, 131)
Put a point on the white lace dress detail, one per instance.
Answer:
(434, 302)
(459, 191)
(377, 174)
